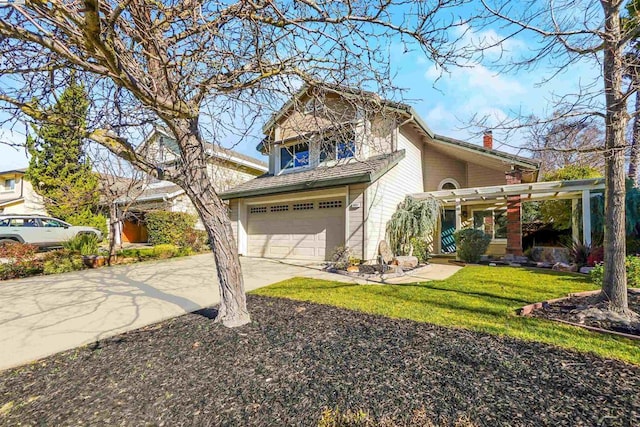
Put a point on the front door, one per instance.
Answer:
(447, 242)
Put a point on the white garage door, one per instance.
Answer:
(297, 230)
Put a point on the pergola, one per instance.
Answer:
(514, 194)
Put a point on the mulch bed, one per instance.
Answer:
(296, 359)
(569, 310)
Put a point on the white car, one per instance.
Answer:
(39, 230)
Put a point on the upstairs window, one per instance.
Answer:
(9, 184)
(294, 156)
(337, 150)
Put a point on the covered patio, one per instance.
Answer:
(510, 198)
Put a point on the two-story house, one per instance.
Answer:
(17, 194)
(339, 164)
(226, 168)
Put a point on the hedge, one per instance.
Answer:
(170, 228)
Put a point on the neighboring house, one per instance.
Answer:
(17, 194)
(226, 168)
(336, 179)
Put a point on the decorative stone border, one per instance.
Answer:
(528, 309)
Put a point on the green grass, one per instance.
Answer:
(477, 298)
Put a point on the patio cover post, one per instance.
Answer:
(586, 217)
(458, 215)
(575, 223)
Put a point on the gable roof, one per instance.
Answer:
(413, 117)
(321, 177)
(215, 151)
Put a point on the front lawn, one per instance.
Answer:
(477, 298)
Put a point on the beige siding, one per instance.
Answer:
(412, 171)
(355, 230)
(480, 176)
(383, 196)
(225, 177)
(439, 166)
(334, 110)
(32, 204)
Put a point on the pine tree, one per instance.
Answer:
(58, 169)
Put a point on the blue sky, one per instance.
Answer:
(447, 102)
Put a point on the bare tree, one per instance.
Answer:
(564, 142)
(175, 60)
(119, 186)
(570, 32)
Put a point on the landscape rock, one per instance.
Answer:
(542, 264)
(561, 266)
(407, 261)
(586, 270)
(385, 251)
(550, 254)
(353, 269)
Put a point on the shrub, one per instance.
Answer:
(596, 256)
(340, 257)
(20, 258)
(471, 244)
(579, 254)
(633, 272)
(633, 245)
(165, 251)
(89, 219)
(596, 275)
(159, 251)
(420, 249)
(169, 227)
(62, 261)
(412, 219)
(18, 252)
(83, 244)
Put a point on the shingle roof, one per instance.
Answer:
(321, 177)
(220, 152)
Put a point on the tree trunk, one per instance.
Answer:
(213, 213)
(113, 230)
(634, 156)
(614, 286)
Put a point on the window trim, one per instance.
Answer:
(448, 181)
(296, 168)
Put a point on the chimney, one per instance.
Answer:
(487, 140)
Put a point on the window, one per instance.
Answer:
(23, 222)
(331, 150)
(258, 209)
(302, 206)
(294, 156)
(330, 204)
(279, 208)
(4, 223)
(9, 184)
(51, 223)
(492, 222)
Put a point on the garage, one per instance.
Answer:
(301, 229)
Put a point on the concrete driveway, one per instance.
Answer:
(43, 315)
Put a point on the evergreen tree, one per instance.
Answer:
(58, 168)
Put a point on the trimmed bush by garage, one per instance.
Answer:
(172, 228)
